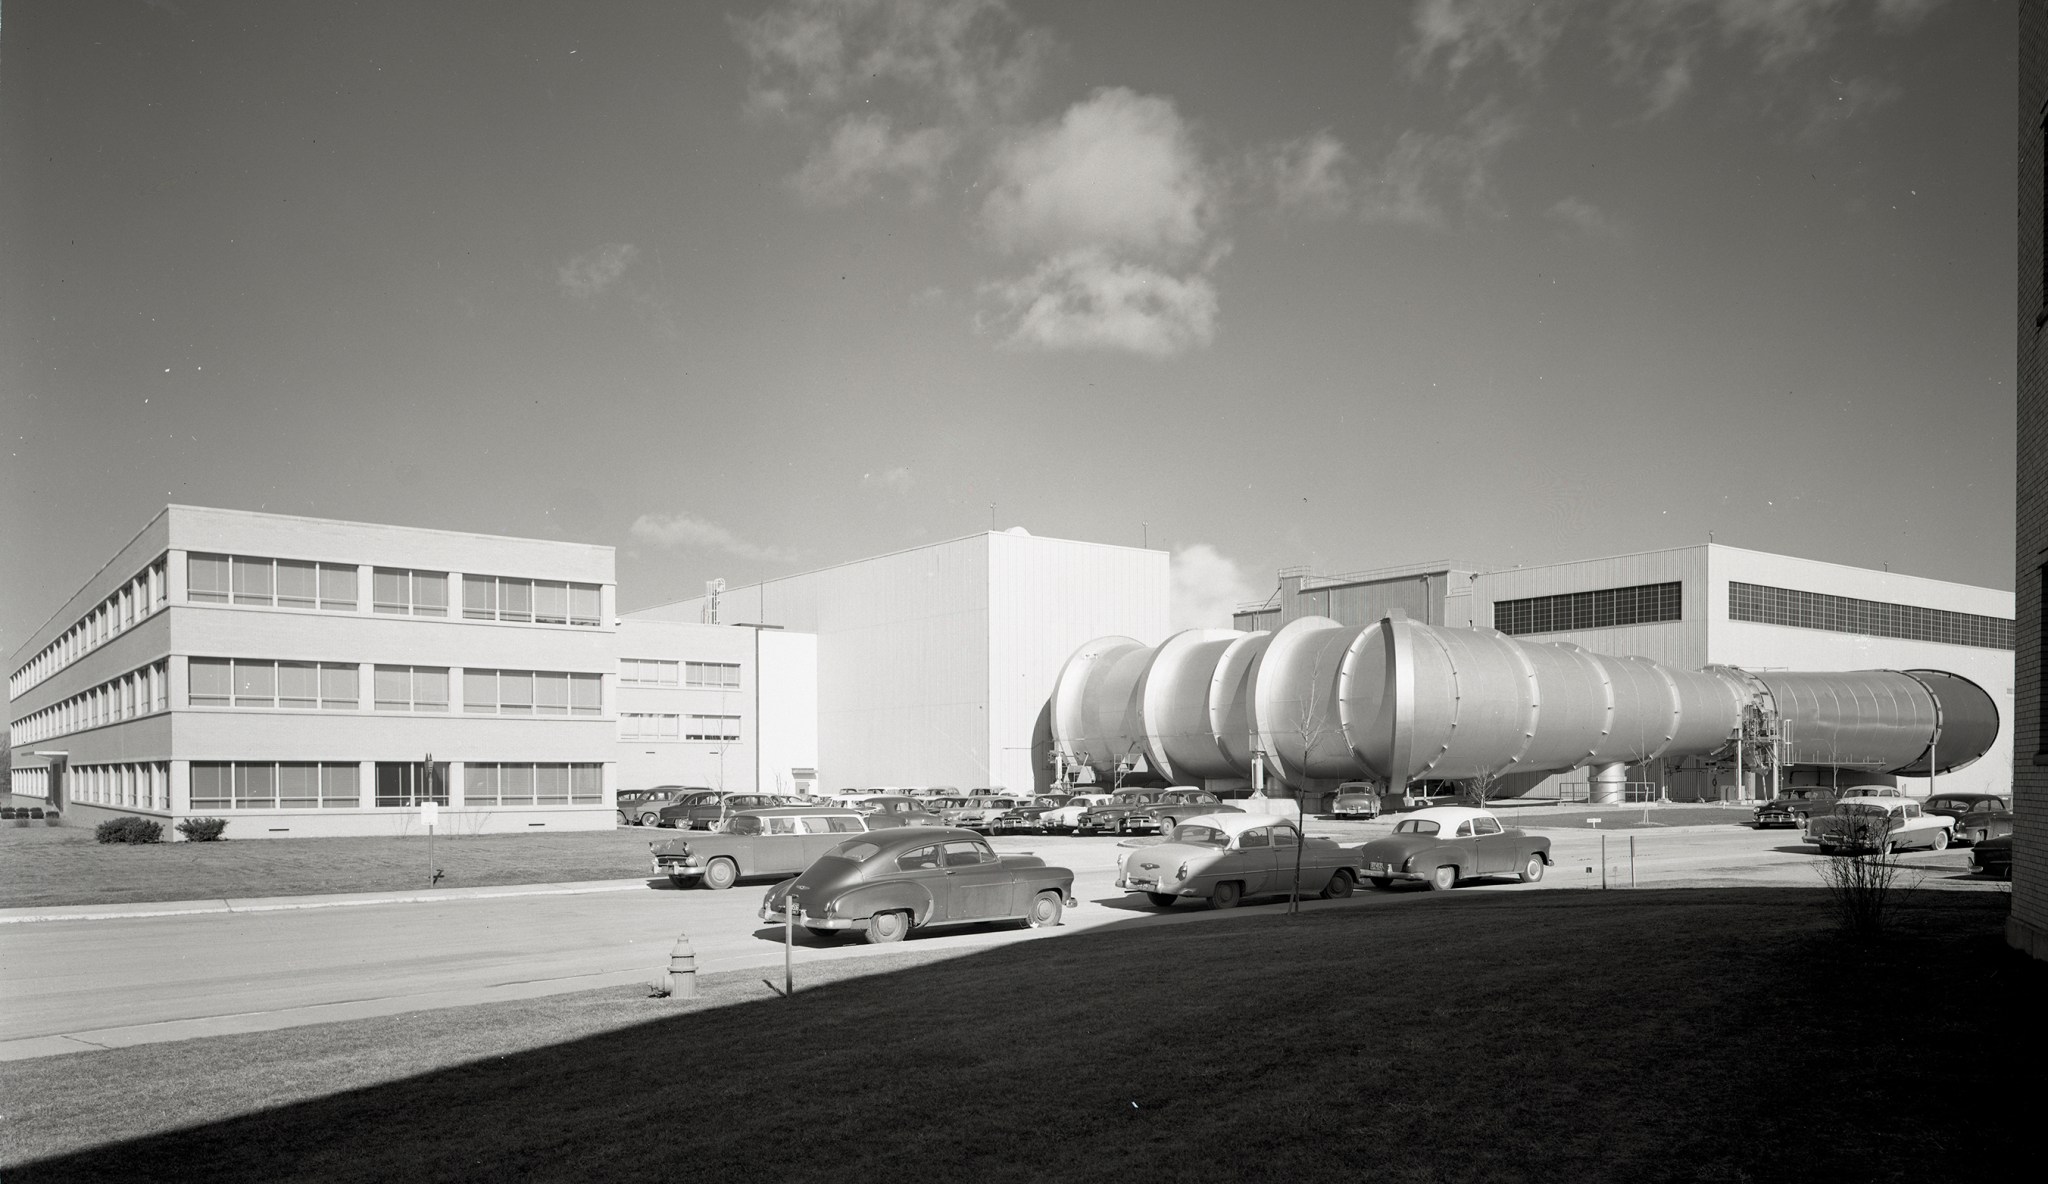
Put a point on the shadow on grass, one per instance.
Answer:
(1659, 1034)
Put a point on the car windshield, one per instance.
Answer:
(1416, 826)
(1207, 836)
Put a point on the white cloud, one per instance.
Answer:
(865, 152)
(1088, 299)
(1429, 177)
(591, 272)
(1466, 31)
(1207, 587)
(896, 480)
(965, 60)
(1584, 217)
(689, 531)
(1118, 208)
(1309, 174)
(1118, 170)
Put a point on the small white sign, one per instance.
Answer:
(430, 813)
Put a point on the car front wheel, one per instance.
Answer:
(1827, 848)
(1532, 871)
(683, 881)
(1382, 882)
(1045, 911)
(650, 819)
(1163, 900)
(1444, 878)
(1941, 840)
(822, 933)
(720, 874)
(1226, 895)
(1339, 886)
(884, 928)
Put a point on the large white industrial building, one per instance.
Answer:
(295, 674)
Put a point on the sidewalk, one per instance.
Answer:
(266, 904)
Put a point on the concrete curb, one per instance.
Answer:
(270, 904)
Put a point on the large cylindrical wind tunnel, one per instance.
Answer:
(1398, 701)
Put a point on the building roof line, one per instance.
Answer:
(797, 575)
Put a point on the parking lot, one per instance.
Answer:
(221, 966)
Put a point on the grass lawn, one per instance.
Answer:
(1716, 1035)
(64, 865)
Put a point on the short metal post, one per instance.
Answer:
(1631, 861)
(682, 969)
(1603, 861)
(789, 943)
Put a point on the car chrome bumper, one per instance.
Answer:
(809, 922)
(674, 868)
(1387, 871)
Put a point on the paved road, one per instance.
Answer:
(74, 983)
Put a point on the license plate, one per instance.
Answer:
(1376, 867)
(1144, 883)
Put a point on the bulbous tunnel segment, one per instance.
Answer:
(1398, 701)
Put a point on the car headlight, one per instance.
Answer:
(1182, 874)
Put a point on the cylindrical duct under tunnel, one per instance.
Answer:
(1397, 701)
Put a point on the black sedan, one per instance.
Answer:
(1792, 807)
(1993, 857)
(886, 883)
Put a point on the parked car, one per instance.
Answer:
(1065, 818)
(642, 807)
(1792, 807)
(888, 883)
(1956, 806)
(1110, 815)
(1356, 799)
(1993, 857)
(981, 813)
(1223, 858)
(1028, 819)
(1174, 807)
(1443, 845)
(1878, 824)
(1979, 825)
(706, 810)
(775, 841)
(896, 811)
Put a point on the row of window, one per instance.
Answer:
(657, 672)
(331, 785)
(638, 725)
(144, 786)
(394, 591)
(270, 583)
(1604, 608)
(137, 693)
(1766, 605)
(336, 686)
(143, 594)
(245, 682)
(530, 692)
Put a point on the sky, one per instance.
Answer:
(748, 290)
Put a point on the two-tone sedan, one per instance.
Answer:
(1174, 807)
(886, 884)
(767, 842)
(1878, 824)
(1028, 819)
(981, 813)
(1066, 818)
(1445, 845)
(1223, 858)
(1356, 799)
(1110, 815)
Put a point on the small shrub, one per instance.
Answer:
(202, 830)
(129, 829)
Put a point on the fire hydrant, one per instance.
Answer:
(682, 969)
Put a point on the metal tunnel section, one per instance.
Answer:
(1398, 701)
